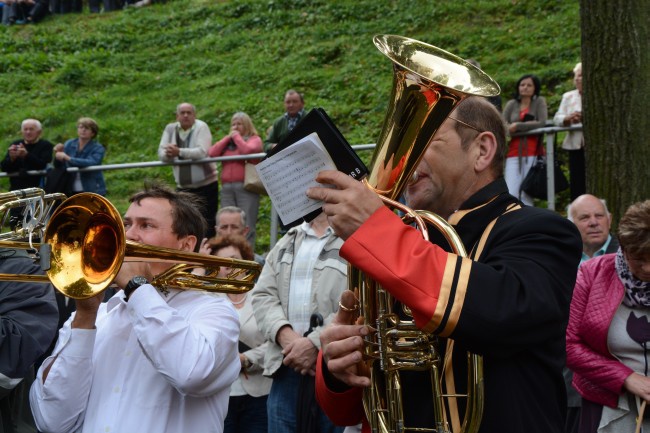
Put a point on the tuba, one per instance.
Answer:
(428, 83)
(37, 207)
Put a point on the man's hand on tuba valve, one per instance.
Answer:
(342, 343)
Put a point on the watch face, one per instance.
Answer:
(139, 280)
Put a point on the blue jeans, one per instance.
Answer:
(246, 414)
(282, 402)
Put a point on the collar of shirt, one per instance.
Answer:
(309, 231)
(118, 298)
(182, 131)
(600, 252)
(297, 116)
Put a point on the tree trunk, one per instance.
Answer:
(616, 90)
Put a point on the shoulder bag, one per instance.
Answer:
(252, 181)
(535, 185)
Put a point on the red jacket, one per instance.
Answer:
(598, 376)
(233, 171)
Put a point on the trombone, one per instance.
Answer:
(84, 246)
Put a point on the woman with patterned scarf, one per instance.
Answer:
(609, 331)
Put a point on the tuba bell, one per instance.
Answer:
(428, 83)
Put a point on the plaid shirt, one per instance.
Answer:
(299, 309)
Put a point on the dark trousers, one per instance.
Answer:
(590, 414)
(246, 414)
(572, 420)
(209, 194)
(577, 173)
(65, 6)
(282, 405)
(109, 5)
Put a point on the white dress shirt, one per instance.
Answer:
(153, 364)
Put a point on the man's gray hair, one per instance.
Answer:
(295, 92)
(569, 215)
(178, 107)
(232, 209)
(34, 121)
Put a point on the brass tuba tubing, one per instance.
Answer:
(85, 245)
(428, 84)
(38, 207)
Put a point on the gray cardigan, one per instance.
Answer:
(537, 108)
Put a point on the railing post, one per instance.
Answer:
(550, 169)
(273, 230)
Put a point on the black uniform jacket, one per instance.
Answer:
(510, 304)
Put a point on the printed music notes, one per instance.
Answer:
(288, 174)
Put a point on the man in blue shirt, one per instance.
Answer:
(590, 215)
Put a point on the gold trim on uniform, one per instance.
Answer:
(443, 295)
(459, 298)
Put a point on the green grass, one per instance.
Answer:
(129, 69)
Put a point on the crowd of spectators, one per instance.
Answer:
(304, 275)
(33, 11)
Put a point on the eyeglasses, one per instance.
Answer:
(466, 124)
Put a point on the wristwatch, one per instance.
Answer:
(132, 285)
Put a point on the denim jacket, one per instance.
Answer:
(92, 154)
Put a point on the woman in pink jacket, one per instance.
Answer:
(609, 330)
(242, 140)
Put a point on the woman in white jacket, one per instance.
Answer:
(570, 114)
(248, 394)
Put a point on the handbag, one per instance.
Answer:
(534, 183)
(58, 179)
(252, 181)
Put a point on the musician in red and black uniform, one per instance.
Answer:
(508, 303)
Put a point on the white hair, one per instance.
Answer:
(178, 107)
(577, 67)
(569, 215)
(34, 121)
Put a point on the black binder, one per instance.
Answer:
(345, 158)
(337, 146)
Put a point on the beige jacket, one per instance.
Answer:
(271, 293)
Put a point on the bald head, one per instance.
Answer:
(186, 115)
(590, 215)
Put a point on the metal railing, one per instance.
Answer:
(549, 132)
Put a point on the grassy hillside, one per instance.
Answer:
(129, 69)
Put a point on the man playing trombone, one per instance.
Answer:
(148, 359)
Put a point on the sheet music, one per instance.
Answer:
(289, 173)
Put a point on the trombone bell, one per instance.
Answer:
(88, 245)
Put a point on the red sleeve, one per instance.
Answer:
(395, 255)
(219, 146)
(342, 408)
